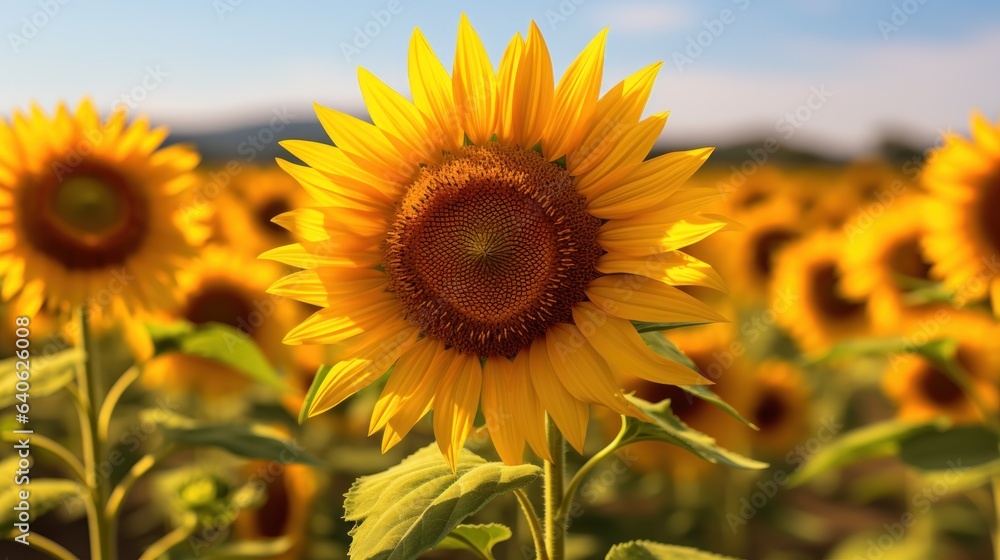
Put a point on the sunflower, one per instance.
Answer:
(779, 406)
(92, 213)
(749, 255)
(885, 260)
(923, 389)
(745, 192)
(227, 288)
(255, 196)
(814, 309)
(963, 177)
(711, 350)
(290, 492)
(494, 238)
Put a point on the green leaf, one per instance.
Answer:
(957, 448)
(664, 347)
(321, 374)
(648, 550)
(408, 509)
(869, 442)
(963, 480)
(478, 539)
(44, 495)
(668, 428)
(217, 342)
(644, 327)
(270, 548)
(47, 374)
(252, 441)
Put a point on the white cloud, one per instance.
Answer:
(920, 88)
(645, 16)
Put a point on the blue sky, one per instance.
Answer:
(733, 68)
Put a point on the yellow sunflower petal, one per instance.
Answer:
(395, 115)
(412, 382)
(584, 372)
(617, 341)
(431, 88)
(673, 267)
(533, 90)
(648, 185)
(645, 238)
(569, 414)
(628, 152)
(575, 100)
(616, 111)
(530, 419)
(640, 299)
(365, 144)
(455, 404)
(474, 85)
(500, 408)
(507, 117)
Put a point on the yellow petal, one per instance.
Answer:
(365, 145)
(648, 185)
(623, 349)
(569, 414)
(507, 117)
(431, 88)
(455, 404)
(308, 254)
(584, 372)
(396, 116)
(329, 326)
(673, 267)
(628, 152)
(323, 191)
(533, 90)
(410, 410)
(637, 298)
(530, 419)
(500, 407)
(643, 238)
(346, 175)
(412, 381)
(987, 136)
(575, 100)
(345, 379)
(474, 85)
(619, 109)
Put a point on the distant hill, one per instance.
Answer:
(260, 145)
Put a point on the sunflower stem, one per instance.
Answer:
(102, 541)
(48, 546)
(534, 524)
(555, 474)
(996, 516)
(574, 483)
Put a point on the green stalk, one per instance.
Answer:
(555, 474)
(996, 515)
(102, 542)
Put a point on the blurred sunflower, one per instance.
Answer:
(228, 288)
(749, 256)
(289, 497)
(885, 261)
(257, 195)
(710, 349)
(963, 177)
(747, 192)
(779, 406)
(807, 280)
(92, 213)
(923, 389)
(444, 237)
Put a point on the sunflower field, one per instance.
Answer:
(502, 312)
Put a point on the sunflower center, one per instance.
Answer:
(765, 248)
(91, 218)
(489, 247)
(937, 387)
(826, 294)
(907, 259)
(218, 302)
(272, 517)
(770, 411)
(989, 221)
(87, 204)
